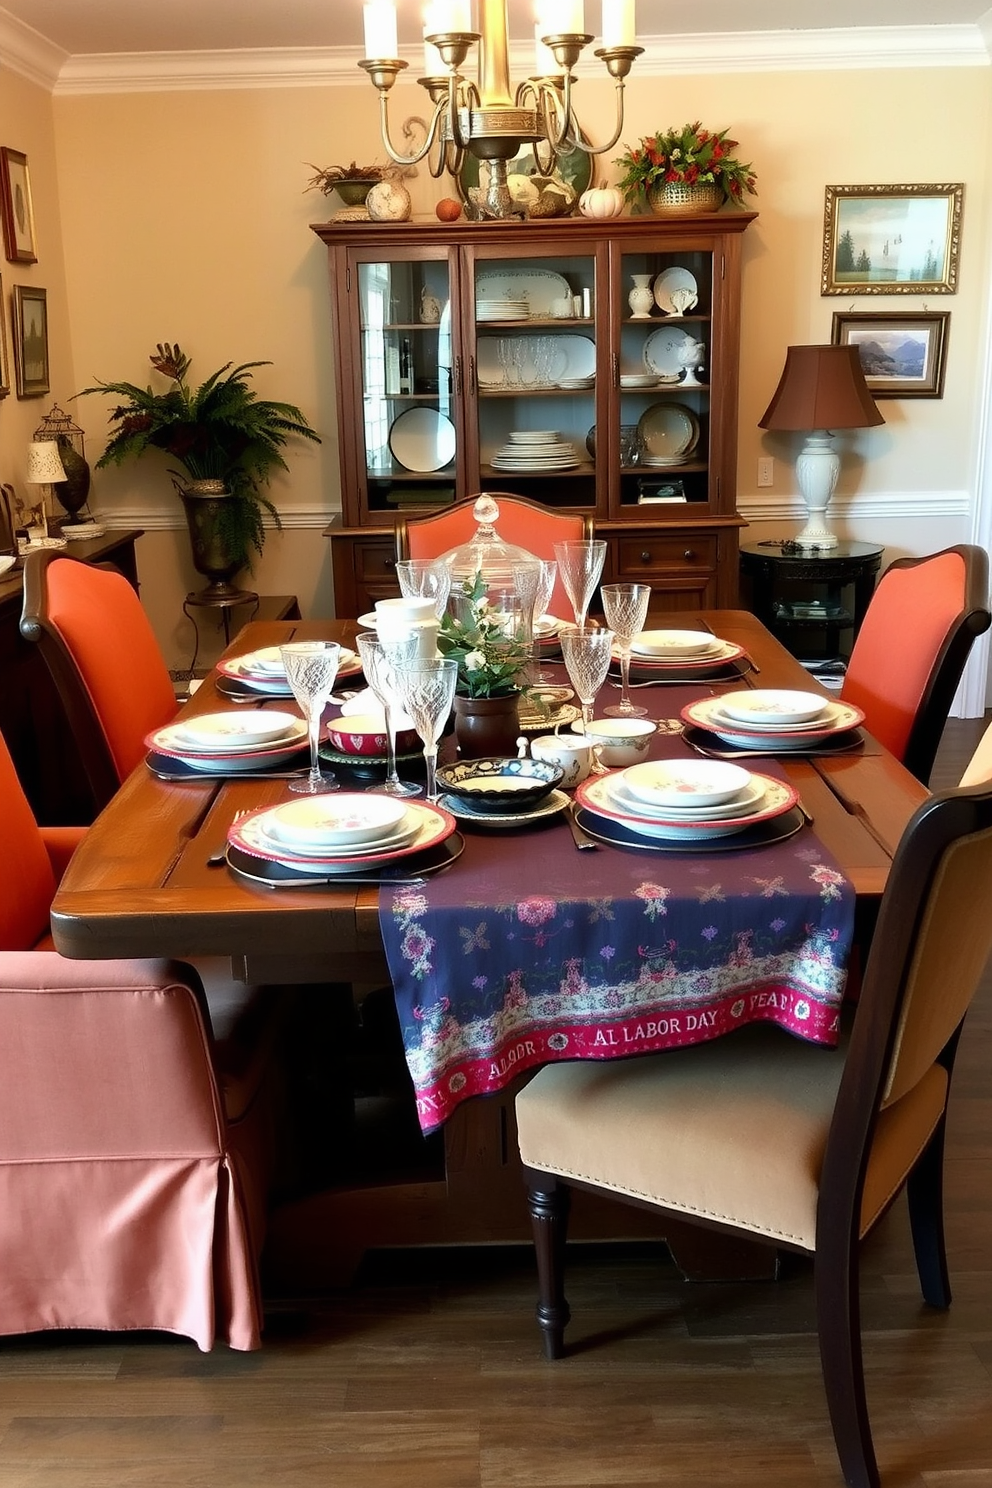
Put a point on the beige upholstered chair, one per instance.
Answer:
(802, 1147)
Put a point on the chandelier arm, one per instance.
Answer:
(393, 153)
(555, 110)
(571, 136)
(460, 95)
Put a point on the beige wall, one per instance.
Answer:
(185, 217)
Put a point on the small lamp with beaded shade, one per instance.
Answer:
(821, 388)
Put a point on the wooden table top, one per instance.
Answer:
(140, 885)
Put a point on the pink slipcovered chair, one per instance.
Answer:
(135, 1134)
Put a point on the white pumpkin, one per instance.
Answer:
(602, 201)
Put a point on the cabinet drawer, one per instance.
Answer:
(375, 560)
(665, 555)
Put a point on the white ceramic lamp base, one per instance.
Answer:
(817, 469)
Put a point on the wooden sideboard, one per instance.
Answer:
(32, 720)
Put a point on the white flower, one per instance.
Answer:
(475, 661)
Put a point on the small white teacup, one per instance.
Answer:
(621, 741)
(398, 619)
(571, 752)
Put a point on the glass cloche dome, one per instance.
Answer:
(505, 568)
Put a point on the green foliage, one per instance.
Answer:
(219, 431)
(489, 651)
(691, 154)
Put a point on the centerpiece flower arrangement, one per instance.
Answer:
(485, 641)
(691, 156)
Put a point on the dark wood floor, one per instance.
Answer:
(427, 1373)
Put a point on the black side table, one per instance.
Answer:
(813, 600)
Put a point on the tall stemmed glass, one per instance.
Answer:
(311, 670)
(526, 582)
(545, 589)
(625, 607)
(380, 662)
(580, 564)
(425, 578)
(427, 689)
(587, 656)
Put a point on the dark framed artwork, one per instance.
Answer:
(15, 207)
(30, 316)
(4, 364)
(891, 239)
(902, 356)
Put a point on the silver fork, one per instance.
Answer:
(219, 855)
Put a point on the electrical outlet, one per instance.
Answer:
(766, 471)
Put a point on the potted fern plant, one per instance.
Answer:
(228, 443)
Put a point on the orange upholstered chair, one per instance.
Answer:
(102, 653)
(526, 523)
(135, 1130)
(912, 648)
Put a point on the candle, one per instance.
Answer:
(618, 23)
(544, 58)
(380, 29)
(433, 61)
(453, 15)
(572, 18)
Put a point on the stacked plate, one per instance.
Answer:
(536, 449)
(230, 742)
(689, 653)
(340, 833)
(773, 718)
(516, 309)
(263, 672)
(665, 801)
(667, 433)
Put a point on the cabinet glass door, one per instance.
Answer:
(664, 312)
(406, 360)
(536, 362)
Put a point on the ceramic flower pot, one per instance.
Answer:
(486, 726)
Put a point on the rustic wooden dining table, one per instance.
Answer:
(142, 884)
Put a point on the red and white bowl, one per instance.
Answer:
(365, 733)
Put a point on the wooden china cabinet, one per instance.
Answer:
(453, 341)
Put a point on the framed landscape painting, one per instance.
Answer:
(891, 239)
(30, 307)
(902, 356)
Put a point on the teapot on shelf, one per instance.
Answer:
(430, 307)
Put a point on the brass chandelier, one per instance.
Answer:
(484, 118)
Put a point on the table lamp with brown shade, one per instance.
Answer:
(821, 388)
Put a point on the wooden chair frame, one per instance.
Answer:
(503, 497)
(937, 826)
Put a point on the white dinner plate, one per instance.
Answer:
(661, 350)
(632, 380)
(233, 731)
(667, 431)
(774, 707)
(343, 819)
(403, 834)
(435, 824)
(748, 802)
(596, 796)
(686, 783)
(235, 762)
(422, 439)
(661, 667)
(669, 280)
(707, 713)
(669, 644)
(538, 288)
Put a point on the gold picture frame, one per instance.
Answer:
(16, 210)
(891, 239)
(4, 363)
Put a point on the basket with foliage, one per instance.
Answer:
(685, 161)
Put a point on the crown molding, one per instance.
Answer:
(876, 48)
(887, 506)
(25, 51)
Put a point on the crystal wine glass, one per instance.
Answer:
(311, 671)
(545, 588)
(425, 578)
(427, 689)
(587, 655)
(625, 607)
(380, 662)
(580, 564)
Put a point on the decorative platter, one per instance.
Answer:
(539, 287)
(672, 279)
(551, 805)
(661, 350)
(422, 439)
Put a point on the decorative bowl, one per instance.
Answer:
(620, 741)
(365, 733)
(500, 784)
